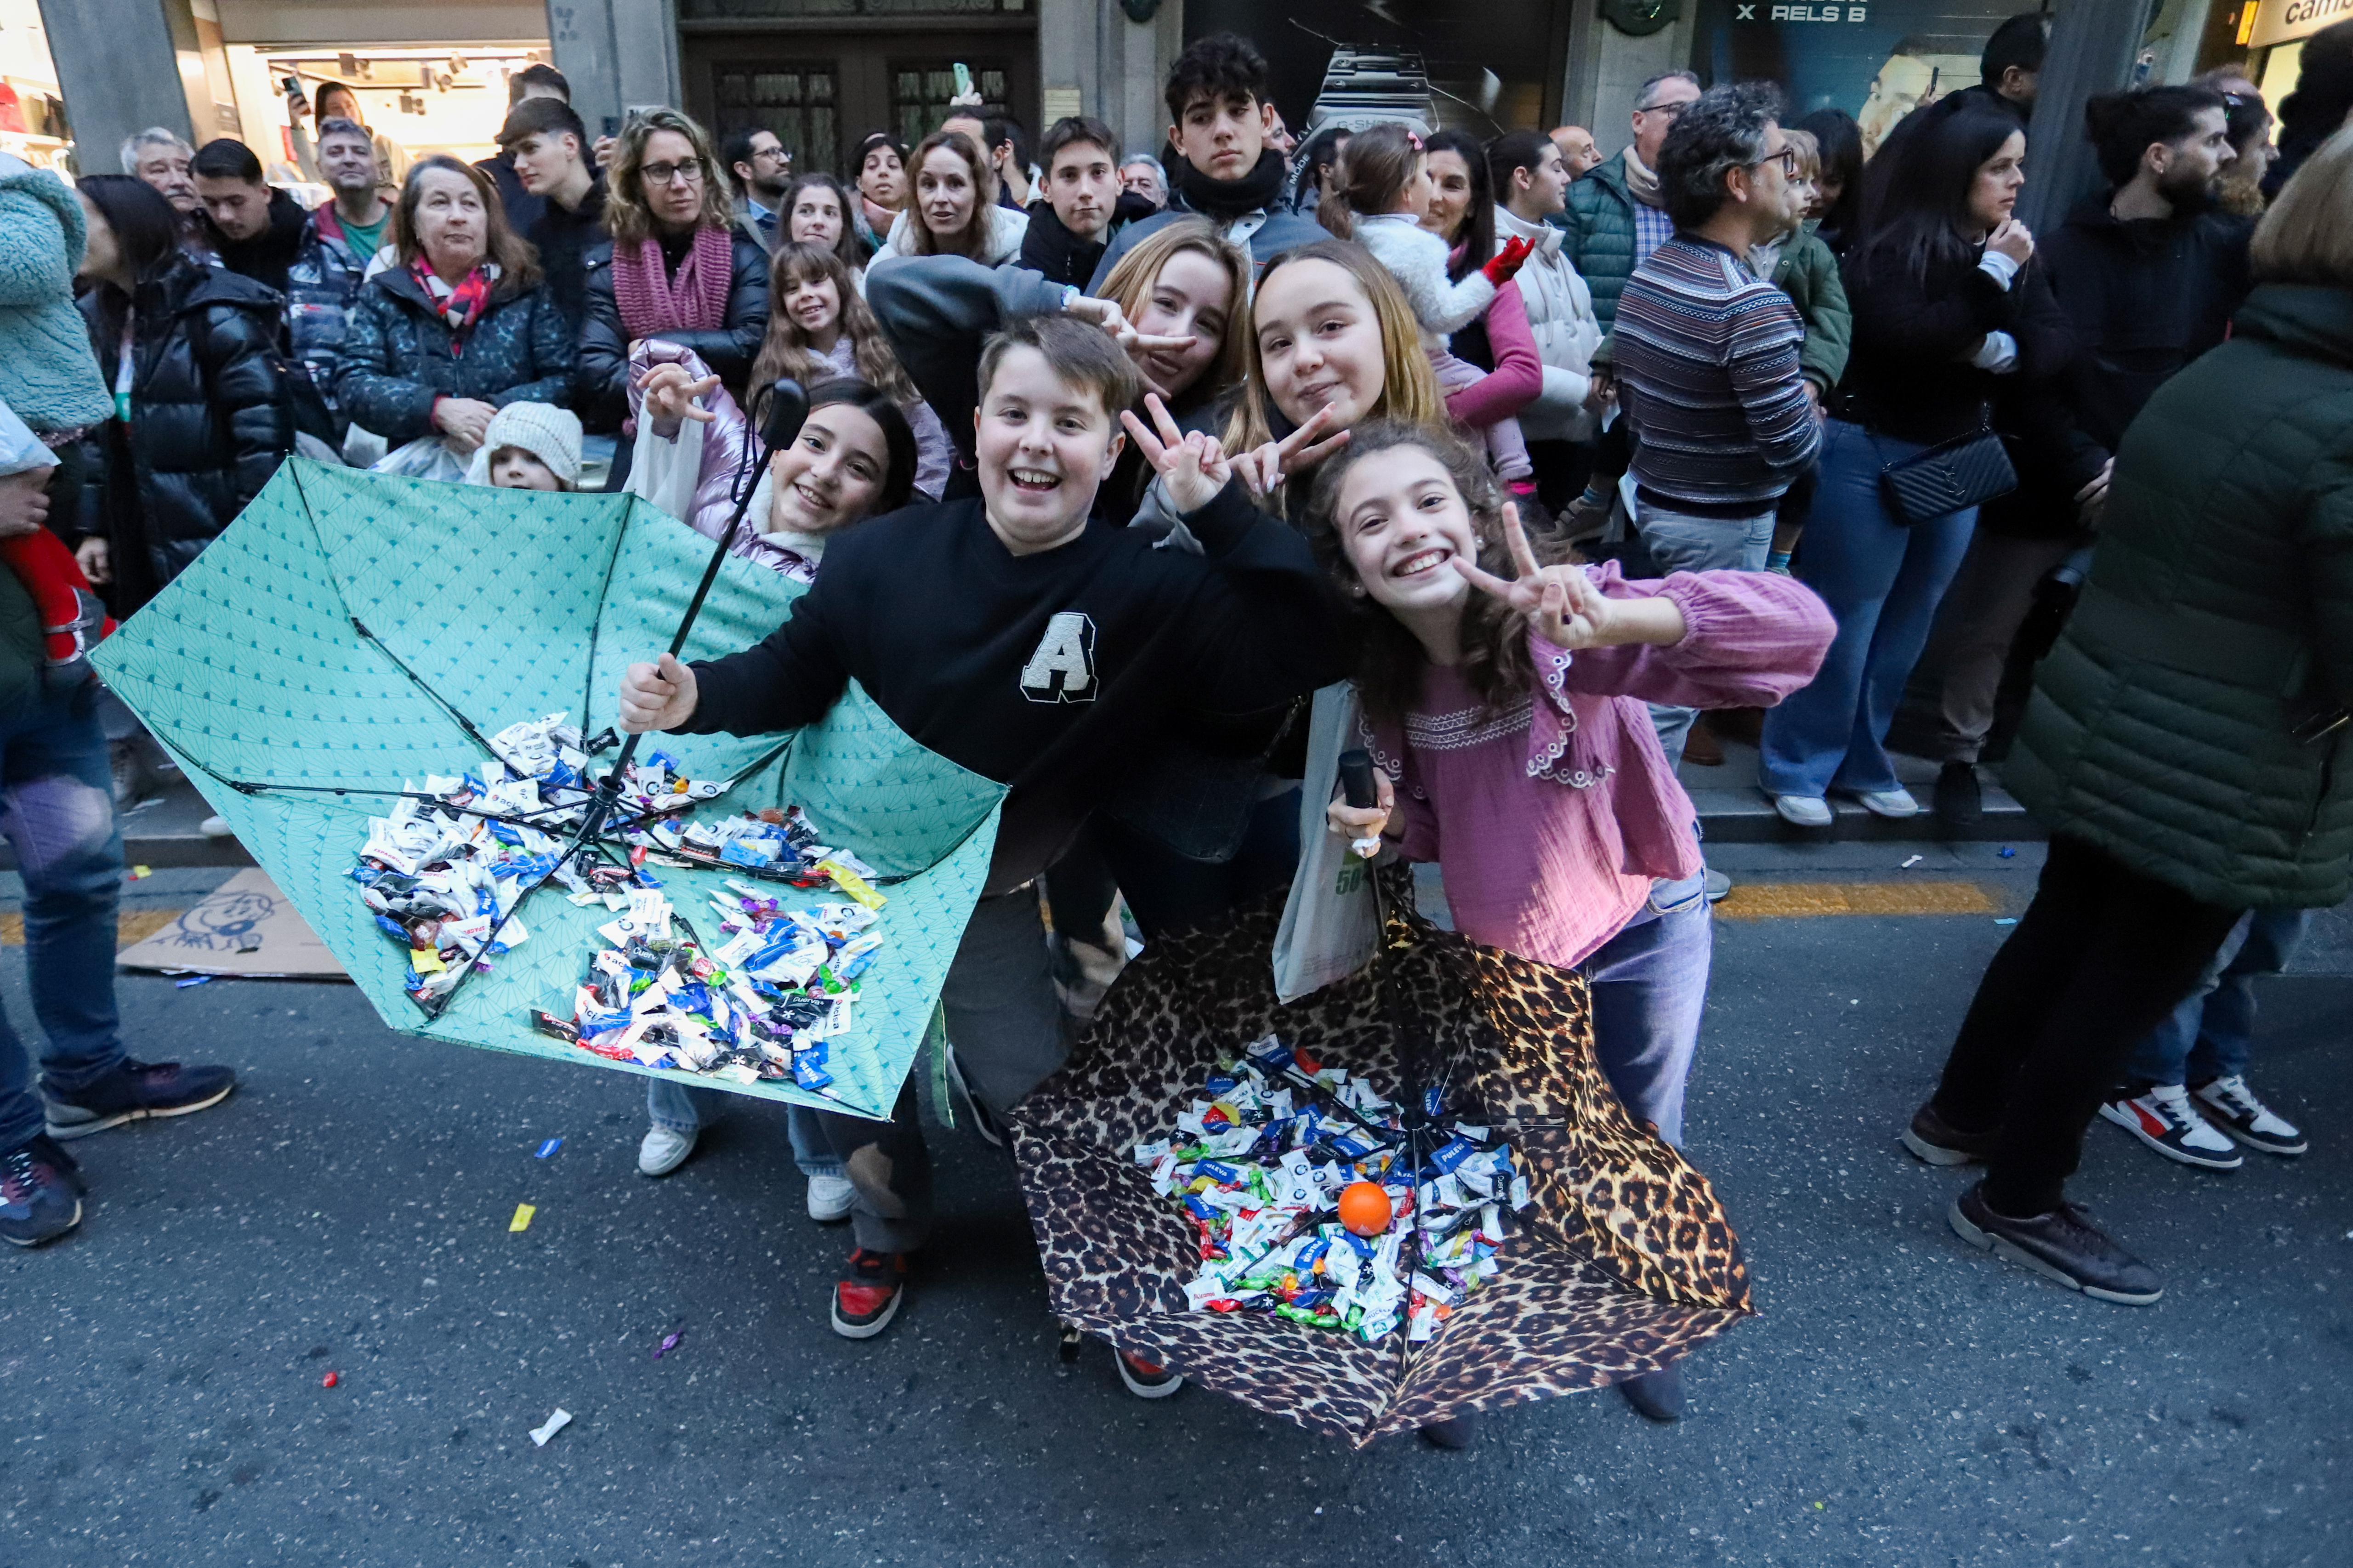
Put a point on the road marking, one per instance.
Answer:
(131, 926)
(1802, 900)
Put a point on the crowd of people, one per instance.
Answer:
(1563, 463)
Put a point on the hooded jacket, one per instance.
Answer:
(2175, 724)
(46, 374)
(1562, 318)
(268, 256)
(397, 360)
(322, 286)
(211, 415)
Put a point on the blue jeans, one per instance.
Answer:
(57, 807)
(1679, 542)
(2211, 1033)
(1649, 987)
(1883, 581)
(680, 1108)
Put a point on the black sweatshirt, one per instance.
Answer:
(1049, 671)
(1906, 377)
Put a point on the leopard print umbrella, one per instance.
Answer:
(1623, 1264)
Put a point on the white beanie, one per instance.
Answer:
(548, 433)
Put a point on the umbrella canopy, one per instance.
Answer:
(1623, 1264)
(351, 634)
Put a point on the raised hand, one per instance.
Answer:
(657, 696)
(1505, 264)
(2013, 239)
(1192, 465)
(1264, 469)
(1566, 606)
(673, 398)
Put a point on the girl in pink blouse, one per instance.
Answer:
(1513, 747)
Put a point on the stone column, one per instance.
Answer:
(1115, 66)
(2094, 44)
(118, 69)
(618, 54)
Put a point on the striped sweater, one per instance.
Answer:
(1706, 359)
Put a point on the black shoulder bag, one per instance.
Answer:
(1966, 472)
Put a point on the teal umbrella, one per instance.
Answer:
(351, 635)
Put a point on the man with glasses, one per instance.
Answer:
(1615, 216)
(762, 171)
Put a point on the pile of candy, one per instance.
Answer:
(445, 868)
(1308, 1205)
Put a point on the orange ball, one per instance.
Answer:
(1364, 1207)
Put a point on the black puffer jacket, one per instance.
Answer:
(210, 418)
(729, 351)
(397, 358)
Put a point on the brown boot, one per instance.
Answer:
(1700, 747)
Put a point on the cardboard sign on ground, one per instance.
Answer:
(246, 927)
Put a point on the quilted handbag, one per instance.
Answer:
(1966, 472)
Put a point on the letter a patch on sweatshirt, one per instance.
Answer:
(1063, 669)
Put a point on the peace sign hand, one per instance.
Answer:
(1265, 469)
(1106, 314)
(1564, 605)
(1193, 466)
(671, 398)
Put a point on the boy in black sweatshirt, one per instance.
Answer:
(1017, 636)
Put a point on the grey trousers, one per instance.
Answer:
(1010, 1036)
(1680, 542)
(1979, 619)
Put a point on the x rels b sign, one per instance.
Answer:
(1747, 13)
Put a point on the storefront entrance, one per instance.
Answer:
(821, 92)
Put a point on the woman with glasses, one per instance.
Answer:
(678, 269)
(1947, 300)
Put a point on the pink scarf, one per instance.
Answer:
(695, 301)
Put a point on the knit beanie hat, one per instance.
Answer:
(548, 433)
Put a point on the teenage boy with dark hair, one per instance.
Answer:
(534, 81)
(547, 148)
(254, 228)
(1224, 169)
(1070, 226)
(1022, 638)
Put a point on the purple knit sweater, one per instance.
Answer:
(1551, 815)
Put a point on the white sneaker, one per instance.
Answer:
(663, 1151)
(2229, 1102)
(2165, 1120)
(1804, 810)
(1897, 803)
(832, 1198)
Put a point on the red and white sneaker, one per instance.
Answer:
(1146, 1379)
(2229, 1102)
(867, 1297)
(2163, 1118)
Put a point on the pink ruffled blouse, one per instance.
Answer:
(1551, 815)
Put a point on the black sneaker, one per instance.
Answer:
(983, 1121)
(1454, 1432)
(1145, 1379)
(1960, 798)
(135, 1091)
(2063, 1245)
(1656, 1395)
(40, 1193)
(1940, 1142)
(867, 1296)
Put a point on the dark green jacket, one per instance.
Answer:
(1600, 228)
(2217, 622)
(1808, 275)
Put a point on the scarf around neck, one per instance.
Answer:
(1641, 184)
(695, 300)
(462, 306)
(1226, 200)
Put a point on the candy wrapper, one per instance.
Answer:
(1259, 1163)
(777, 976)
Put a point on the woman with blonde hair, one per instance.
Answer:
(677, 269)
(952, 209)
(2187, 745)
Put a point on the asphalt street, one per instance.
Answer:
(1901, 1400)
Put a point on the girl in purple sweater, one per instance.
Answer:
(1513, 747)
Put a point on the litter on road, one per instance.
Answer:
(550, 1147)
(522, 1220)
(549, 1428)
